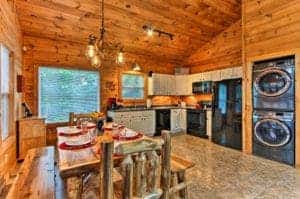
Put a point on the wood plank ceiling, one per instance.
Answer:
(193, 23)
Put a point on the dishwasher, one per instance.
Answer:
(162, 120)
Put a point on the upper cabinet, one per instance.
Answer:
(164, 84)
(183, 86)
(231, 73)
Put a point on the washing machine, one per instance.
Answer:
(273, 84)
(274, 136)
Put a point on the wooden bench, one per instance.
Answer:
(36, 176)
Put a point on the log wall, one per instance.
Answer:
(10, 36)
(270, 30)
(47, 52)
(224, 51)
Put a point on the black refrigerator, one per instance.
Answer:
(227, 113)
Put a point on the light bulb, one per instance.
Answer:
(120, 57)
(150, 32)
(90, 51)
(95, 61)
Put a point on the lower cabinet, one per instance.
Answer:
(209, 123)
(144, 121)
(178, 120)
(137, 120)
(31, 133)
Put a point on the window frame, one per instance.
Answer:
(37, 87)
(10, 95)
(126, 100)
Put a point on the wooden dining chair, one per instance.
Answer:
(74, 117)
(143, 160)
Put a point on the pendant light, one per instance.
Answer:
(136, 67)
(91, 48)
(94, 50)
(120, 57)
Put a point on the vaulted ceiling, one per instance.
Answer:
(193, 23)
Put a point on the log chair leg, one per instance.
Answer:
(74, 187)
(181, 178)
(173, 183)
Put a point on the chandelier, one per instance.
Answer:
(96, 48)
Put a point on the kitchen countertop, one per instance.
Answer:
(221, 172)
(143, 108)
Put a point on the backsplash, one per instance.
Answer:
(192, 100)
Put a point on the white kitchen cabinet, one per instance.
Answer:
(150, 86)
(215, 75)
(155, 81)
(237, 72)
(143, 121)
(161, 84)
(226, 73)
(209, 123)
(178, 120)
(206, 76)
(183, 86)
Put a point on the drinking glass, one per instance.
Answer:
(92, 135)
(84, 125)
(115, 129)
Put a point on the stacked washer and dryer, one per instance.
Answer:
(274, 109)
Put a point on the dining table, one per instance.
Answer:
(74, 164)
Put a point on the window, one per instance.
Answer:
(5, 91)
(62, 91)
(132, 86)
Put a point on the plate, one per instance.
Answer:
(128, 133)
(77, 142)
(71, 131)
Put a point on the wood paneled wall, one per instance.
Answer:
(10, 36)
(270, 29)
(225, 50)
(41, 51)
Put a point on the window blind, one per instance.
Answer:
(4, 71)
(62, 91)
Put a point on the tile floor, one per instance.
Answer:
(226, 173)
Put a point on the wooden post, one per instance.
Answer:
(181, 179)
(75, 187)
(106, 170)
(71, 118)
(127, 172)
(153, 164)
(166, 164)
(140, 179)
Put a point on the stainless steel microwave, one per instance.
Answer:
(203, 87)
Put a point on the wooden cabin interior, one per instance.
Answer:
(150, 99)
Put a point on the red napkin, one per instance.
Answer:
(65, 146)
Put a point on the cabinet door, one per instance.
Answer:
(172, 85)
(150, 86)
(226, 73)
(162, 84)
(209, 123)
(180, 84)
(156, 84)
(182, 122)
(237, 72)
(136, 123)
(175, 119)
(215, 75)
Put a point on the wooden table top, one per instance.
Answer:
(74, 162)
